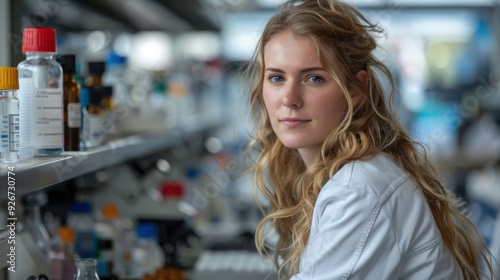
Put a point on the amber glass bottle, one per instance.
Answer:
(107, 99)
(72, 112)
(96, 71)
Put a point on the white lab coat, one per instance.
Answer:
(370, 222)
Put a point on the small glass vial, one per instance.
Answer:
(86, 269)
(111, 122)
(9, 115)
(71, 107)
(146, 255)
(81, 220)
(96, 71)
(40, 95)
(94, 116)
(107, 98)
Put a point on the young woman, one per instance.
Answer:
(351, 196)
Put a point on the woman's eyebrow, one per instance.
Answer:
(301, 70)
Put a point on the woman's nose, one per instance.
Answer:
(292, 97)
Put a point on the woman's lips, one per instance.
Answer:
(294, 122)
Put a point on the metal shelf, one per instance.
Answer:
(40, 172)
(465, 158)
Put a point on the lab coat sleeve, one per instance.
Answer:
(351, 238)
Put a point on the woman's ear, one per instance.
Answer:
(362, 77)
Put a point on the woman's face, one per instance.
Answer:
(302, 99)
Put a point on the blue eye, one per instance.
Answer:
(275, 79)
(315, 79)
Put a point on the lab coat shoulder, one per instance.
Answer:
(371, 222)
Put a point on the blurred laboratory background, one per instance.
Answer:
(162, 194)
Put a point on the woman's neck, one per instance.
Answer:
(309, 155)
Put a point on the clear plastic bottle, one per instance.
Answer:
(147, 255)
(82, 221)
(107, 231)
(181, 102)
(40, 95)
(9, 114)
(105, 258)
(94, 118)
(110, 122)
(86, 269)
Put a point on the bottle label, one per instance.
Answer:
(9, 133)
(93, 131)
(85, 245)
(24, 94)
(4, 133)
(74, 115)
(14, 133)
(48, 119)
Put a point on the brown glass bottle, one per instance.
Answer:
(96, 71)
(107, 99)
(71, 97)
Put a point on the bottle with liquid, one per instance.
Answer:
(86, 269)
(180, 103)
(94, 117)
(40, 95)
(105, 258)
(9, 114)
(147, 255)
(96, 71)
(71, 106)
(107, 231)
(107, 98)
(110, 122)
(80, 219)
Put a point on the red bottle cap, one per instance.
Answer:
(172, 189)
(39, 40)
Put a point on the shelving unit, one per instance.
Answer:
(38, 173)
(464, 159)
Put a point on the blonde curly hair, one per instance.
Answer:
(345, 41)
